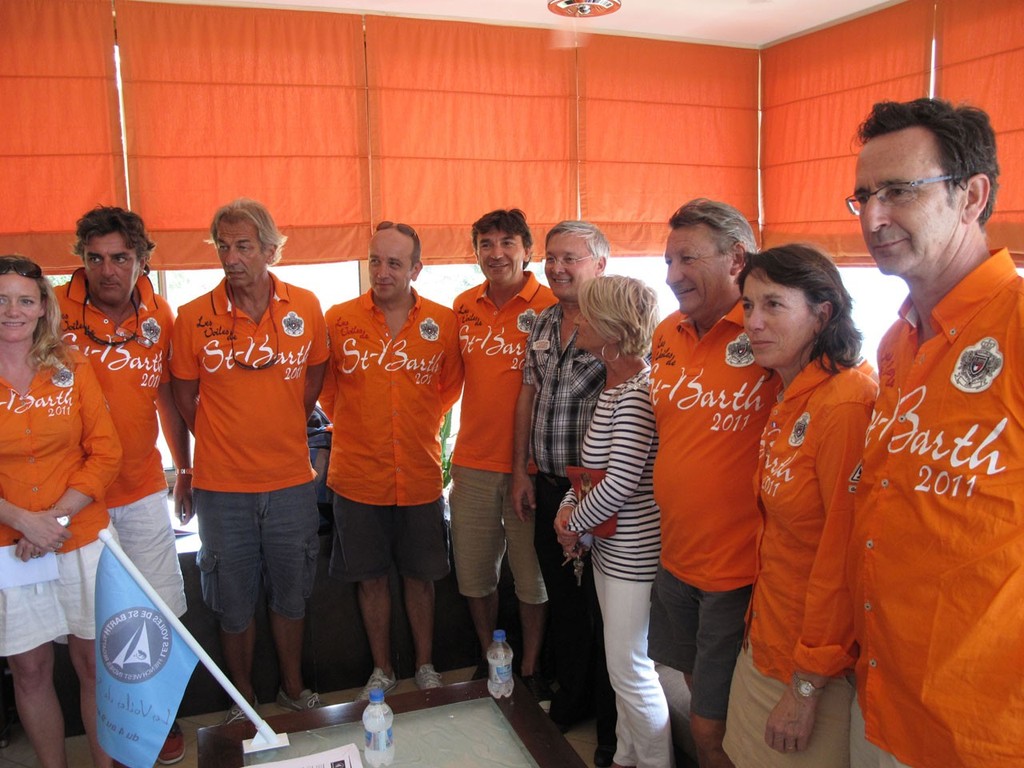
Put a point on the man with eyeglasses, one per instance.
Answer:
(395, 370)
(936, 552)
(711, 402)
(111, 313)
(495, 319)
(247, 367)
(560, 388)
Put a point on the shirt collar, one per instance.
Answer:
(222, 302)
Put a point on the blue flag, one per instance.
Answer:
(142, 668)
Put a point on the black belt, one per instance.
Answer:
(555, 480)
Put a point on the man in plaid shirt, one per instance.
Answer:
(561, 385)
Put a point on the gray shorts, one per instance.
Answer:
(700, 634)
(244, 536)
(369, 538)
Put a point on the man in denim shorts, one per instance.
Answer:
(248, 363)
(710, 403)
(395, 371)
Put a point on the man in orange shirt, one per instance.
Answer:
(495, 319)
(395, 371)
(710, 403)
(110, 312)
(248, 363)
(938, 535)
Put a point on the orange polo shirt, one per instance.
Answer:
(389, 396)
(250, 424)
(936, 559)
(130, 375)
(58, 436)
(801, 613)
(493, 343)
(710, 404)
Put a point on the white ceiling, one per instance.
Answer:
(745, 23)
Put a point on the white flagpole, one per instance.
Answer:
(265, 737)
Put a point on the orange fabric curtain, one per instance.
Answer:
(238, 102)
(60, 141)
(467, 118)
(817, 89)
(980, 60)
(663, 123)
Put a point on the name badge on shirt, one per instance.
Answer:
(542, 345)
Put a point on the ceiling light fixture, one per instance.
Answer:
(583, 8)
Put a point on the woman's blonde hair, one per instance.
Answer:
(622, 310)
(47, 351)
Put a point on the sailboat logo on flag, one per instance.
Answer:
(135, 644)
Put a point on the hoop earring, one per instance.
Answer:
(604, 356)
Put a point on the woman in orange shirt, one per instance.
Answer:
(790, 700)
(58, 453)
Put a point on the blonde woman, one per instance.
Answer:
(617, 319)
(58, 453)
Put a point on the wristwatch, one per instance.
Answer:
(64, 520)
(805, 689)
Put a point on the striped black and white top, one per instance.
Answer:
(622, 441)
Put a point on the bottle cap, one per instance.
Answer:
(499, 636)
(376, 695)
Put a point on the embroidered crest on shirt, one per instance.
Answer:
(63, 377)
(151, 330)
(796, 437)
(854, 479)
(292, 324)
(526, 320)
(429, 329)
(739, 353)
(978, 366)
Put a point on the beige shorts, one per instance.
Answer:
(35, 614)
(752, 699)
(482, 522)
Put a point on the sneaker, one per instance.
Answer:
(235, 714)
(307, 699)
(377, 680)
(541, 691)
(173, 749)
(427, 677)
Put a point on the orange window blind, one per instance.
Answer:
(60, 144)
(817, 90)
(980, 60)
(239, 102)
(662, 123)
(465, 119)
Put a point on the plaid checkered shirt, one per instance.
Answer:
(569, 383)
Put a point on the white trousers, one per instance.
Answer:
(643, 732)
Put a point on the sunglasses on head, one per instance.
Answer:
(405, 229)
(21, 266)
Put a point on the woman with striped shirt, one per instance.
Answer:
(617, 318)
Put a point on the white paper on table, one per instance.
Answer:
(339, 757)
(15, 572)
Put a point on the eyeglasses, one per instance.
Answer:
(20, 265)
(895, 194)
(119, 340)
(564, 261)
(405, 229)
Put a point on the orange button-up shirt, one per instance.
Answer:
(59, 435)
(130, 375)
(493, 343)
(387, 397)
(250, 424)
(800, 616)
(710, 403)
(936, 558)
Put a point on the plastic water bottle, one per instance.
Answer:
(499, 662)
(377, 721)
